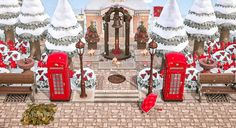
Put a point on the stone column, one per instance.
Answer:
(127, 35)
(106, 38)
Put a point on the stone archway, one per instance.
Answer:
(125, 18)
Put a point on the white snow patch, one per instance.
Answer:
(225, 10)
(226, 2)
(35, 32)
(169, 34)
(63, 15)
(32, 6)
(9, 10)
(212, 31)
(170, 16)
(201, 19)
(29, 19)
(225, 21)
(11, 21)
(61, 34)
(202, 6)
(180, 47)
(9, 2)
(69, 48)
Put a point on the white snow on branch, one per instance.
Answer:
(63, 15)
(209, 32)
(36, 32)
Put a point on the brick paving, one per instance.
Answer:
(128, 115)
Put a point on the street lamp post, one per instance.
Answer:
(80, 48)
(152, 51)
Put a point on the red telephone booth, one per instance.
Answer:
(58, 76)
(174, 76)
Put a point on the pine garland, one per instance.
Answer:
(201, 37)
(33, 25)
(172, 41)
(207, 25)
(225, 16)
(168, 28)
(64, 40)
(64, 28)
(9, 15)
(225, 6)
(201, 14)
(29, 14)
(9, 6)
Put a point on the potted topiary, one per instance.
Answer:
(141, 36)
(92, 37)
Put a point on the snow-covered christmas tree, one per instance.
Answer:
(33, 25)
(9, 11)
(64, 31)
(200, 24)
(168, 30)
(225, 11)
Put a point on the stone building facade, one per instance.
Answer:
(95, 10)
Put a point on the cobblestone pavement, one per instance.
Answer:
(127, 115)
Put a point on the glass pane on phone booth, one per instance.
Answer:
(175, 84)
(58, 84)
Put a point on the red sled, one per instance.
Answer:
(149, 102)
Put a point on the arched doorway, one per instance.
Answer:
(125, 18)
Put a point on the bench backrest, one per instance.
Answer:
(17, 78)
(215, 78)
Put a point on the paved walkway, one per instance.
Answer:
(126, 115)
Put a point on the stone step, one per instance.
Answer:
(116, 100)
(116, 91)
(116, 96)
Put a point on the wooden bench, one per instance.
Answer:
(214, 78)
(17, 78)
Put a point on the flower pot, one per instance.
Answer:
(141, 45)
(92, 45)
(25, 64)
(207, 64)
